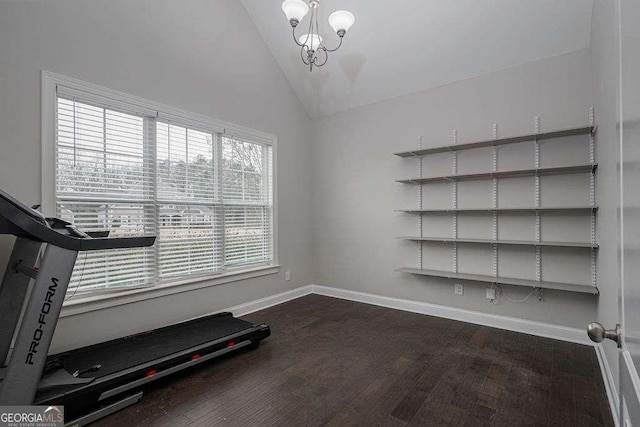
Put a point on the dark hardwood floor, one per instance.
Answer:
(336, 362)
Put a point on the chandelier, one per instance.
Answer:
(313, 52)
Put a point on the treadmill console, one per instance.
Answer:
(22, 207)
(23, 221)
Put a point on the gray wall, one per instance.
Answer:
(354, 193)
(204, 56)
(605, 65)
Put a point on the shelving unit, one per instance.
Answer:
(503, 174)
(570, 209)
(495, 175)
(502, 242)
(503, 280)
(495, 142)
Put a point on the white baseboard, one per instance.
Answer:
(493, 320)
(270, 301)
(609, 383)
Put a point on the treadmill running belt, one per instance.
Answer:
(134, 350)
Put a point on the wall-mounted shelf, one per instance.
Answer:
(538, 243)
(504, 174)
(503, 280)
(502, 242)
(501, 141)
(585, 209)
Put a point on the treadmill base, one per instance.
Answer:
(127, 365)
(106, 411)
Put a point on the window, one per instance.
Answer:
(205, 193)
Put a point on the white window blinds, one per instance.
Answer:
(247, 201)
(205, 195)
(189, 202)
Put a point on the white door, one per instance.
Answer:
(629, 164)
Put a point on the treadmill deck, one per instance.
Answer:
(128, 352)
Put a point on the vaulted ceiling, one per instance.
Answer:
(398, 47)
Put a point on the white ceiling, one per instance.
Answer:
(398, 47)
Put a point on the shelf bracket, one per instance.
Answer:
(494, 236)
(420, 189)
(537, 199)
(454, 202)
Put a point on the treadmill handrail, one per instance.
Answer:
(33, 228)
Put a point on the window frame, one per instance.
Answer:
(125, 102)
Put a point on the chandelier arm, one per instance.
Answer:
(326, 58)
(294, 37)
(302, 54)
(338, 47)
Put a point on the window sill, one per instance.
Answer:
(99, 302)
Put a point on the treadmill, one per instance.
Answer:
(98, 380)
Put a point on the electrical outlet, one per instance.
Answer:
(491, 294)
(287, 276)
(459, 289)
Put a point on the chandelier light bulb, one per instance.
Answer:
(341, 21)
(295, 10)
(311, 41)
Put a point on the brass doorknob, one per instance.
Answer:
(598, 333)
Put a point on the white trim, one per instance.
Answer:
(493, 320)
(609, 383)
(48, 112)
(274, 201)
(629, 388)
(263, 303)
(103, 301)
